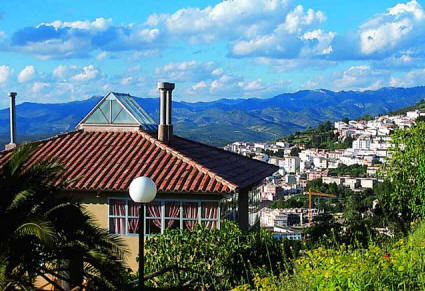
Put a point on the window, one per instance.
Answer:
(161, 214)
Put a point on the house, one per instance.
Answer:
(118, 141)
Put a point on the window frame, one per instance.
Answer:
(163, 219)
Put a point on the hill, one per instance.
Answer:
(226, 120)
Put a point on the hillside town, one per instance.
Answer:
(370, 147)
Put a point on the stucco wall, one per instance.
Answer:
(98, 208)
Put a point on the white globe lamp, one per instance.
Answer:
(142, 190)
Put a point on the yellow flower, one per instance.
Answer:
(327, 274)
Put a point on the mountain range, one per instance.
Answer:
(225, 120)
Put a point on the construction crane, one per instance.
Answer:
(319, 194)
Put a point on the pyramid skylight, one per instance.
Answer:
(117, 109)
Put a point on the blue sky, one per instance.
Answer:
(57, 51)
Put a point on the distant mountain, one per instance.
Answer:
(222, 121)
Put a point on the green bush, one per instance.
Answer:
(217, 259)
(398, 266)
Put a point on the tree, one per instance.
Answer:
(345, 120)
(47, 234)
(295, 152)
(404, 200)
(420, 118)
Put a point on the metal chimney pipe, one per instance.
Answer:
(164, 132)
(169, 97)
(168, 118)
(12, 109)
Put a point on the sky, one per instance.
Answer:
(61, 51)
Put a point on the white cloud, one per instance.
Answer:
(60, 71)
(244, 17)
(296, 20)
(193, 71)
(27, 74)
(251, 85)
(401, 28)
(357, 77)
(89, 73)
(101, 56)
(5, 73)
(100, 24)
(77, 39)
(200, 85)
(411, 78)
(39, 86)
(289, 39)
(360, 77)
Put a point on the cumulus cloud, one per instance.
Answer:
(5, 73)
(291, 38)
(75, 73)
(88, 73)
(275, 29)
(244, 17)
(258, 27)
(27, 74)
(398, 30)
(79, 38)
(39, 86)
(357, 77)
(193, 71)
(412, 78)
(360, 78)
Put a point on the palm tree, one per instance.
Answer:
(45, 233)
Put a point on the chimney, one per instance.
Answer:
(165, 128)
(12, 143)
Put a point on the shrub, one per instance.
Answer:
(216, 259)
(401, 265)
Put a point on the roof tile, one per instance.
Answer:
(109, 161)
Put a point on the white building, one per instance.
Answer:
(292, 164)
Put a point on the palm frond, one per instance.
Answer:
(19, 158)
(40, 229)
(19, 198)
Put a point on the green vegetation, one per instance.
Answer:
(295, 152)
(217, 259)
(365, 117)
(322, 137)
(404, 200)
(295, 201)
(47, 234)
(351, 255)
(274, 154)
(352, 171)
(394, 266)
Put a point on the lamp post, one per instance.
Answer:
(142, 190)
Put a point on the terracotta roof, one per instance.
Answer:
(109, 161)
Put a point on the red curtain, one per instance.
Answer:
(133, 209)
(190, 210)
(210, 211)
(117, 208)
(154, 210)
(172, 209)
(133, 223)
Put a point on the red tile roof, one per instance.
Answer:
(109, 161)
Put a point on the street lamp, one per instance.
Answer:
(142, 190)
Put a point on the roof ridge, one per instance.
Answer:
(222, 150)
(183, 157)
